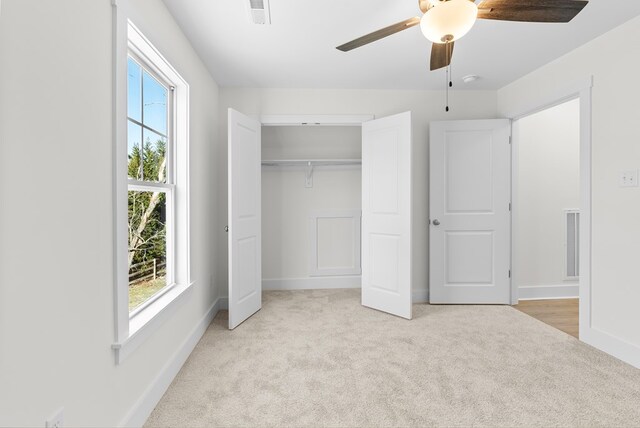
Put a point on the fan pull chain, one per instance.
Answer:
(447, 89)
(449, 73)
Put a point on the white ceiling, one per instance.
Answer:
(298, 49)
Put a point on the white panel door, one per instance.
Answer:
(245, 236)
(470, 194)
(386, 214)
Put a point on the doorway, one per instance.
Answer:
(546, 215)
(450, 276)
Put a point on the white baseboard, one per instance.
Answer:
(545, 292)
(622, 350)
(224, 303)
(328, 282)
(314, 283)
(421, 296)
(141, 410)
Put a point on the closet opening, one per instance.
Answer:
(311, 207)
(304, 200)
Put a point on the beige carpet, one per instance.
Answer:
(317, 358)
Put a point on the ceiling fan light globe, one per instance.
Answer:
(449, 21)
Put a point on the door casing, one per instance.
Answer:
(582, 90)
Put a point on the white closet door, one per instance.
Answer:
(386, 214)
(245, 236)
(470, 193)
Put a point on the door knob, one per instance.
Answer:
(436, 222)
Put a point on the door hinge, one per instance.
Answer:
(509, 139)
(509, 206)
(509, 273)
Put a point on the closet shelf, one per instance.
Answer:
(310, 162)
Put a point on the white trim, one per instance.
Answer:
(126, 36)
(315, 119)
(120, 182)
(316, 283)
(547, 292)
(546, 101)
(356, 221)
(150, 301)
(581, 89)
(515, 153)
(585, 212)
(621, 349)
(149, 186)
(420, 296)
(151, 56)
(146, 322)
(140, 411)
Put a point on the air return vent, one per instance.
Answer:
(572, 244)
(259, 11)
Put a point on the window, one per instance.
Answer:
(150, 184)
(151, 181)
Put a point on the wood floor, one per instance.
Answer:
(561, 314)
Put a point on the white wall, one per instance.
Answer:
(427, 106)
(315, 142)
(547, 183)
(56, 224)
(287, 204)
(614, 62)
(286, 209)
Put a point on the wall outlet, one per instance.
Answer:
(629, 178)
(56, 420)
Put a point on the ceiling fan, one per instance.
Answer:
(445, 21)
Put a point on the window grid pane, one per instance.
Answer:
(154, 156)
(154, 108)
(147, 245)
(134, 91)
(155, 150)
(134, 150)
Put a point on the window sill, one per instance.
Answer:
(144, 323)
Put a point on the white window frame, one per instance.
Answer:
(168, 188)
(133, 328)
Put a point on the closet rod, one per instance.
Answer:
(310, 162)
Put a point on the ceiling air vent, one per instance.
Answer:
(259, 11)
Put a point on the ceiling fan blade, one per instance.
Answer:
(561, 11)
(380, 34)
(441, 55)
